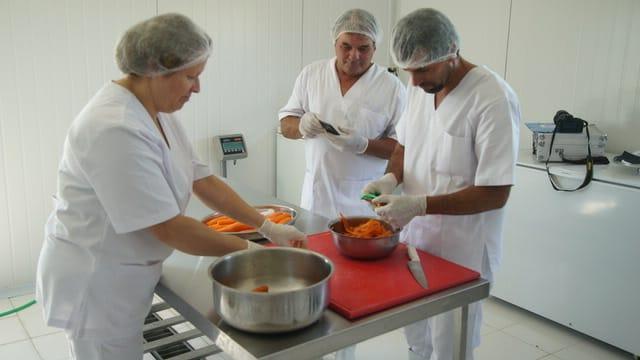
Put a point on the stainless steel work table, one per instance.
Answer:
(185, 286)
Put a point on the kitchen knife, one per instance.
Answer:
(416, 267)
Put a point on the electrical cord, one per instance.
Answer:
(19, 308)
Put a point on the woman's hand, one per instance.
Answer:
(283, 235)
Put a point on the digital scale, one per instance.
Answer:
(229, 147)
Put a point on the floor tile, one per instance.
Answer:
(183, 327)
(52, 346)
(167, 313)
(156, 299)
(198, 343)
(499, 314)
(544, 334)
(391, 345)
(11, 330)
(219, 356)
(5, 305)
(500, 346)
(22, 350)
(592, 350)
(32, 318)
(486, 329)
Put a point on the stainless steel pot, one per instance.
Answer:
(359, 248)
(298, 282)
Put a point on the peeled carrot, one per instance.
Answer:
(235, 227)
(279, 218)
(368, 230)
(227, 224)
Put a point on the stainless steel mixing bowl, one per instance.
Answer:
(298, 282)
(359, 248)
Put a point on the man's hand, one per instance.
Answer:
(348, 140)
(382, 186)
(398, 210)
(283, 235)
(310, 125)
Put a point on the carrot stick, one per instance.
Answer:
(261, 288)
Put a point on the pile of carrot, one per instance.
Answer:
(371, 229)
(226, 224)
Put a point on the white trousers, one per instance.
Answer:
(129, 348)
(432, 338)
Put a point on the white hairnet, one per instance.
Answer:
(357, 21)
(423, 37)
(162, 44)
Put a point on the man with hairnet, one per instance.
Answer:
(456, 154)
(362, 101)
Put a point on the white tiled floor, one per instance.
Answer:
(508, 333)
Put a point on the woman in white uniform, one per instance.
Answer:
(124, 181)
(362, 100)
(458, 142)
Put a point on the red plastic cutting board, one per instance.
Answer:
(363, 287)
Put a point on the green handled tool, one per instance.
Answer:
(370, 196)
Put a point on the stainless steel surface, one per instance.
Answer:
(460, 326)
(298, 294)
(176, 338)
(186, 286)
(265, 209)
(359, 248)
(416, 267)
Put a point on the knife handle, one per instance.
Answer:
(413, 254)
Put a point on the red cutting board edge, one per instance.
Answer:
(363, 287)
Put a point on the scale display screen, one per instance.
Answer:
(232, 145)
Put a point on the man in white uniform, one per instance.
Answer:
(124, 181)
(458, 141)
(362, 100)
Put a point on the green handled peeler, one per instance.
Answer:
(370, 196)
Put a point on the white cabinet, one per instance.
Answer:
(575, 257)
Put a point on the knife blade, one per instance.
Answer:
(416, 267)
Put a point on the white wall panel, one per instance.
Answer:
(581, 56)
(319, 17)
(55, 56)
(255, 60)
(483, 27)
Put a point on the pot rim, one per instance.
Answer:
(241, 252)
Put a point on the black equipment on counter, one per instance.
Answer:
(566, 123)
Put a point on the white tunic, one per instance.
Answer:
(117, 177)
(471, 139)
(372, 107)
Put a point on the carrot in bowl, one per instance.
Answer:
(371, 229)
(227, 224)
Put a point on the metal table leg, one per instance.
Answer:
(460, 326)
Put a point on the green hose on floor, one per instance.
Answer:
(19, 308)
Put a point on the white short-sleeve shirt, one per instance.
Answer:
(372, 107)
(117, 177)
(471, 139)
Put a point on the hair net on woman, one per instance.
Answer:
(357, 21)
(423, 37)
(161, 45)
